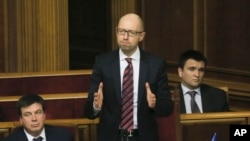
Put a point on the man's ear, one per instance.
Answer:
(142, 35)
(180, 71)
(20, 120)
(44, 115)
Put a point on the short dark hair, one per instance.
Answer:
(191, 54)
(27, 100)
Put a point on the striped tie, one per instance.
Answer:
(127, 97)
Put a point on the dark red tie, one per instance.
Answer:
(127, 97)
(194, 106)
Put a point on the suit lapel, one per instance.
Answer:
(182, 105)
(143, 71)
(205, 99)
(49, 135)
(116, 75)
(22, 135)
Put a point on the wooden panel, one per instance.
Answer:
(88, 31)
(10, 48)
(197, 127)
(169, 27)
(219, 29)
(61, 83)
(57, 82)
(2, 34)
(35, 35)
(5, 129)
(48, 96)
(228, 34)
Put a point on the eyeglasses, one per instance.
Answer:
(130, 33)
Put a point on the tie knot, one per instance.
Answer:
(38, 139)
(129, 60)
(192, 93)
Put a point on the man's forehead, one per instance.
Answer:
(32, 106)
(193, 62)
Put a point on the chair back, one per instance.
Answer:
(169, 127)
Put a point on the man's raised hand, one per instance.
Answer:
(98, 97)
(150, 96)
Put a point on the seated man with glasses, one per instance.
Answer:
(31, 110)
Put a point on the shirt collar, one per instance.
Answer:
(185, 90)
(30, 137)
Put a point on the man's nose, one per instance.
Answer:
(197, 73)
(125, 36)
(33, 117)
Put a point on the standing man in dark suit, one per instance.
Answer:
(149, 86)
(31, 109)
(191, 70)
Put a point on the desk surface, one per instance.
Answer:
(201, 127)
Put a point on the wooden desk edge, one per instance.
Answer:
(217, 115)
(49, 96)
(78, 121)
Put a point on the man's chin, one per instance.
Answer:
(195, 86)
(125, 48)
(34, 130)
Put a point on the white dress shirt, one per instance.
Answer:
(136, 63)
(187, 99)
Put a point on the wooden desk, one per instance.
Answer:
(201, 127)
(5, 128)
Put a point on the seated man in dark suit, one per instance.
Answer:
(31, 109)
(206, 98)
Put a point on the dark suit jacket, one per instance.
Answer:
(213, 99)
(52, 133)
(107, 70)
